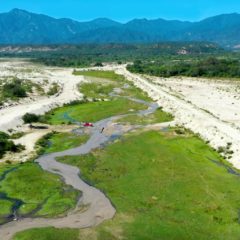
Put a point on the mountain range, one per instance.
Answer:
(22, 27)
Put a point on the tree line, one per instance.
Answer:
(209, 67)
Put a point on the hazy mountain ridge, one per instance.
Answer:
(22, 27)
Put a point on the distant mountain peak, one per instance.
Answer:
(105, 21)
(139, 20)
(17, 11)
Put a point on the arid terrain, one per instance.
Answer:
(35, 103)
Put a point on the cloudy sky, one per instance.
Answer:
(124, 10)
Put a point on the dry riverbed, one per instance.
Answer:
(10, 116)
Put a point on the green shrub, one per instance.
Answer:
(98, 64)
(7, 145)
(31, 118)
(53, 90)
(14, 89)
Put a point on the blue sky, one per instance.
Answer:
(124, 10)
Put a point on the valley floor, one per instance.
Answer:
(143, 175)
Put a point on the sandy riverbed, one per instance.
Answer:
(10, 117)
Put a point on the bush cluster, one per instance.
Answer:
(31, 118)
(14, 89)
(6, 145)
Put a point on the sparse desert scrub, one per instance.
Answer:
(98, 88)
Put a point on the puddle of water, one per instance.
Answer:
(228, 168)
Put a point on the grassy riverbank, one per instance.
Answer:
(70, 141)
(158, 117)
(53, 142)
(49, 234)
(46, 196)
(93, 111)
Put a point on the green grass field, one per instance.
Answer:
(158, 117)
(64, 141)
(46, 193)
(92, 112)
(110, 75)
(6, 208)
(4, 168)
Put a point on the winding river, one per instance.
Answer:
(93, 207)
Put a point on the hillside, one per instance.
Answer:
(22, 27)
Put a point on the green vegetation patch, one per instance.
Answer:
(17, 135)
(100, 88)
(31, 118)
(48, 234)
(54, 89)
(164, 187)
(85, 55)
(210, 67)
(100, 74)
(57, 142)
(6, 145)
(4, 168)
(46, 196)
(92, 112)
(96, 90)
(5, 209)
(158, 117)
(14, 89)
